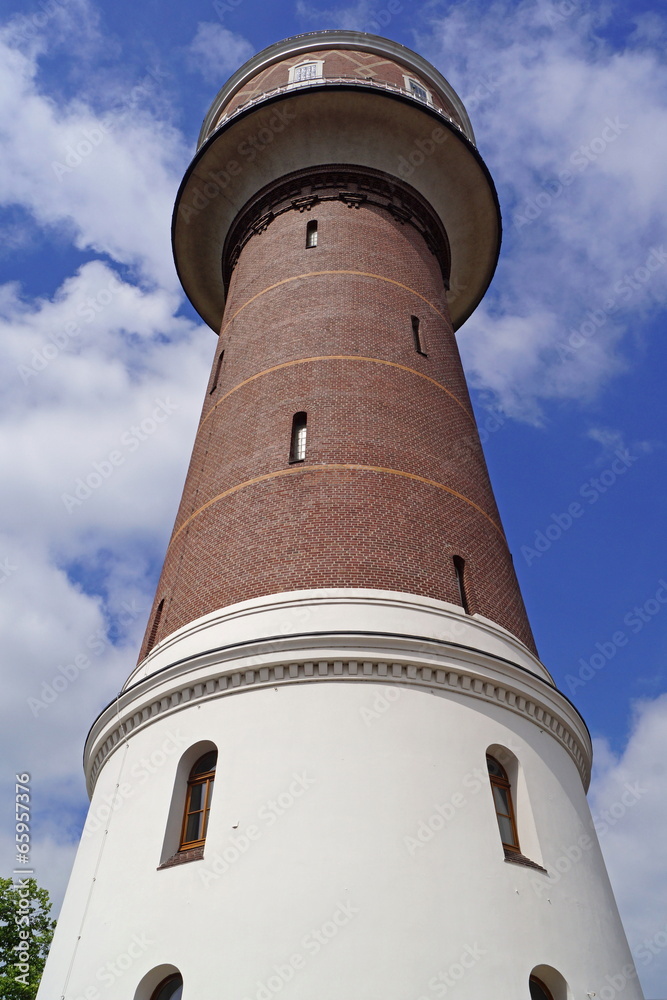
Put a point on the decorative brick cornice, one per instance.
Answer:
(143, 707)
(355, 187)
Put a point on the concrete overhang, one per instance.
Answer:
(337, 125)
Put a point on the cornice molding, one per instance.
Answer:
(353, 186)
(207, 678)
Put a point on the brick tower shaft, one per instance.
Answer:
(337, 309)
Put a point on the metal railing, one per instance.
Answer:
(334, 80)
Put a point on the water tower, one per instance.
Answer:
(339, 769)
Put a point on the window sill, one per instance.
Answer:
(515, 858)
(182, 857)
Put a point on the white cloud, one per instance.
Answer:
(216, 52)
(628, 802)
(575, 135)
(102, 364)
(93, 174)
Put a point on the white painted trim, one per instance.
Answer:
(412, 79)
(319, 63)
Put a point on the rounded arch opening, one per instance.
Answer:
(164, 982)
(174, 824)
(545, 983)
(526, 830)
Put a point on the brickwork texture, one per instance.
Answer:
(394, 482)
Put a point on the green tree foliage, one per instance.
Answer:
(26, 931)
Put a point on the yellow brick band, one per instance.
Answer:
(339, 357)
(317, 274)
(295, 470)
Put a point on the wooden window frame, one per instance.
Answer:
(165, 982)
(545, 989)
(205, 778)
(504, 782)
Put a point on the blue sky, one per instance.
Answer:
(565, 358)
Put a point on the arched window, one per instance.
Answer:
(298, 442)
(154, 627)
(170, 988)
(311, 234)
(502, 800)
(459, 571)
(197, 806)
(216, 377)
(538, 991)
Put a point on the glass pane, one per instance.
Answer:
(196, 796)
(307, 72)
(506, 832)
(418, 91)
(172, 990)
(501, 799)
(205, 764)
(537, 992)
(192, 828)
(301, 444)
(494, 767)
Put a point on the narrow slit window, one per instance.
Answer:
(298, 445)
(198, 801)
(311, 234)
(216, 377)
(459, 570)
(417, 336)
(502, 800)
(154, 627)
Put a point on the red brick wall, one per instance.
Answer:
(311, 525)
(337, 63)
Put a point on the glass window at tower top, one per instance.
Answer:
(418, 90)
(308, 71)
